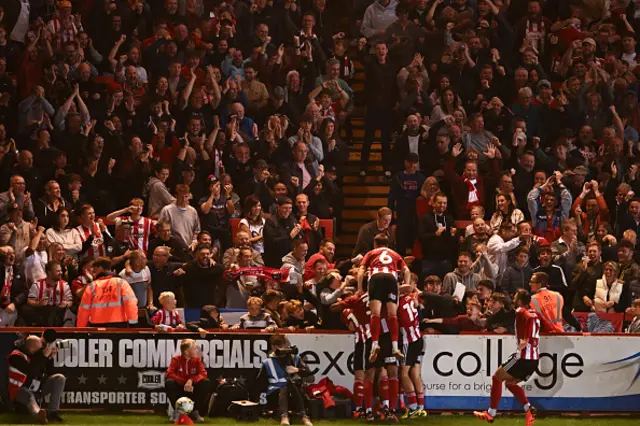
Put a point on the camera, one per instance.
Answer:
(50, 337)
(290, 351)
(63, 344)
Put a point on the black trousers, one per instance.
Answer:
(377, 118)
(201, 392)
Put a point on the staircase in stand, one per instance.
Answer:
(362, 197)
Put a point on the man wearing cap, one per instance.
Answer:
(64, 24)
(405, 190)
(545, 94)
(279, 105)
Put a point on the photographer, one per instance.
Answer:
(282, 374)
(30, 378)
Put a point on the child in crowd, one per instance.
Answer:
(167, 318)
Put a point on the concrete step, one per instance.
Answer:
(370, 185)
(362, 202)
(355, 156)
(366, 215)
(348, 240)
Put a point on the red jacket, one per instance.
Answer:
(182, 369)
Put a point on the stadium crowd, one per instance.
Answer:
(133, 132)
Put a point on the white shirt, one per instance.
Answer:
(34, 266)
(413, 145)
(139, 282)
(306, 177)
(22, 24)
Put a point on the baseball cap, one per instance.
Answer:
(278, 93)
(283, 200)
(589, 40)
(212, 179)
(542, 83)
(412, 157)
(64, 3)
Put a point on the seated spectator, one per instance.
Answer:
(48, 299)
(256, 318)
(209, 318)
(16, 232)
(16, 194)
(479, 236)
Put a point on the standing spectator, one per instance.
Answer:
(138, 275)
(182, 217)
(501, 244)
(242, 240)
(382, 225)
(546, 216)
(294, 262)
(461, 275)
(239, 289)
(595, 211)
(161, 270)
(377, 18)
(381, 90)
(629, 269)
(610, 294)
(437, 236)
(567, 250)
(279, 233)
(505, 211)
(60, 233)
(403, 194)
(253, 222)
(518, 274)
(48, 299)
(157, 192)
(201, 279)
(14, 288)
(16, 194)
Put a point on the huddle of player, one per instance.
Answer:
(386, 311)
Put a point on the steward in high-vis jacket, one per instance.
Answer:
(108, 301)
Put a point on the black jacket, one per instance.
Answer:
(401, 150)
(435, 247)
(277, 239)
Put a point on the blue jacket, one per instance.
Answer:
(276, 374)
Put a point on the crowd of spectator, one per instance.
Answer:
(133, 132)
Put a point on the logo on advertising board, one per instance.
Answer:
(150, 379)
(630, 361)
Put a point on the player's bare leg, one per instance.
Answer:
(500, 377)
(375, 306)
(392, 323)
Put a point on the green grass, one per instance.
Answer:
(432, 420)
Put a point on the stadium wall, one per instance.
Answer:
(125, 370)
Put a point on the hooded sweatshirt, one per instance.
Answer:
(516, 277)
(378, 17)
(470, 281)
(158, 196)
(295, 267)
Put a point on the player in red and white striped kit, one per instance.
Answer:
(383, 266)
(522, 364)
(413, 350)
(355, 314)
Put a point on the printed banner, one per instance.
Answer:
(586, 373)
(576, 373)
(127, 371)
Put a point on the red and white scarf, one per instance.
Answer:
(474, 198)
(536, 32)
(5, 297)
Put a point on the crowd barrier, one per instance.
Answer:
(124, 369)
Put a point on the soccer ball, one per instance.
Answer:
(184, 405)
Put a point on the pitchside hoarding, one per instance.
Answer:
(122, 370)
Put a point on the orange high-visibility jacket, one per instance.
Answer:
(549, 304)
(108, 300)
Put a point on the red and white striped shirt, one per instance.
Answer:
(409, 319)
(141, 231)
(528, 328)
(168, 318)
(383, 260)
(66, 34)
(97, 248)
(18, 365)
(54, 294)
(359, 316)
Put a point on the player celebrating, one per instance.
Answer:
(383, 266)
(413, 350)
(522, 364)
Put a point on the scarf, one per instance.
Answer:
(473, 199)
(280, 275)
(536, 32)
(5, 296)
